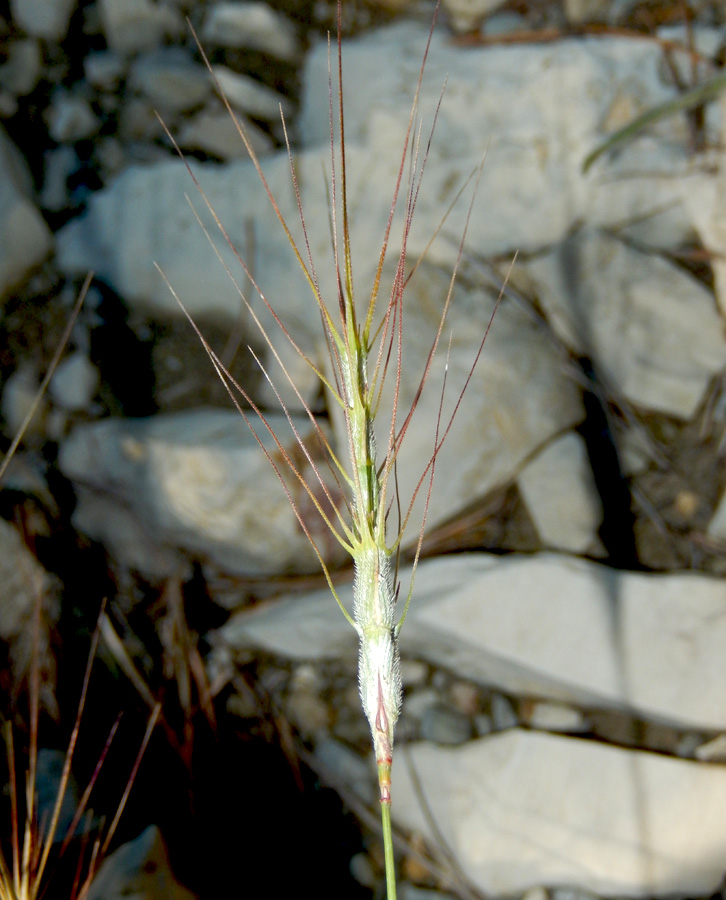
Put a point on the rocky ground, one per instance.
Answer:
(564, 722)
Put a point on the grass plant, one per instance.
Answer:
(37, 839)
(365, 342)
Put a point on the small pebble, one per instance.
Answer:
(19, 393)
(413, 672)
(688, 744)
(503, 714)
(74, 383)
(418, 701)
(345, 765)
(46, 19)
(170, 80)
(361, 868)
(254, 26)
(22, 68)
(483, 724)
(535, 893)
(712, 751)
(465, 697)
(134, 26)
(215, 132)
(468, 15)
(444, 725)
(104, 69)
(70, 118)
(570, 894)
(251, 96)
(556, 717)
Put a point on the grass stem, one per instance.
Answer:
(388, 851)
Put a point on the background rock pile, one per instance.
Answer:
(565, 711)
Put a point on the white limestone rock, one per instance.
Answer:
(250, 96)
(136, 26)
(522, 809)
(520, 395)
(558, 489)
(170, 80)
(545, 626)
(59, 165)
(25, 239)
(197, 481)
(717, 525)
(532, 190)
(214, 131)
(19, 394)
(74, 382)
(548, 716)
(467, 15)
(255, 26)
(518, 398)
(70, 117)
(579, 12)
(21, 70)
(705, 197)
(104, 69)
(652, 331)
(507, 102)
(46, 19)
(144, 217)
(712, 751)
(140, 869)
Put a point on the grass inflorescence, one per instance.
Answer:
(365, 342)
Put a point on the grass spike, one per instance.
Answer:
(359, 339)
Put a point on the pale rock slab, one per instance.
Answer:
(140, 869)
(531, 191)
(653, 332)
(170, 80)
(74, 382)
(712, 751)
(197, 481)
(545, 626)
(580, 11)
(558, 489)
(144, 217)
(255, 26)
(213, 131)
(70, 117)
(705, 197)
(518, 397)
(135, 26)
(522, 809)
(46, 19)
(21, 70)
(717, 525)
(507, 102)
(19, 397)
(25, 239)
(251, 96)
(547, 716)
(104, 69)
(58, 166)
(467, 15)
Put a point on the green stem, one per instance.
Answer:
(388, 851)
